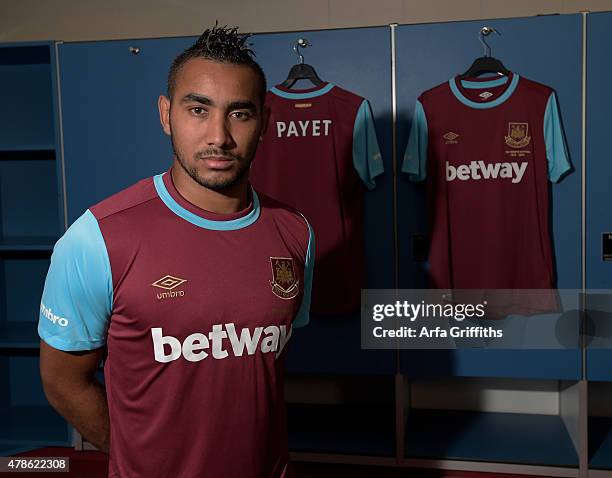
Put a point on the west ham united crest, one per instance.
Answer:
(284, 282)
(518, 135)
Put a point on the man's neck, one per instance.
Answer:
(231, 200)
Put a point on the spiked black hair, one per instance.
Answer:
(221, 44)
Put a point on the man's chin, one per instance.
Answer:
(218, 182)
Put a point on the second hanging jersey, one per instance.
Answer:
(319, 154)
(489, 149)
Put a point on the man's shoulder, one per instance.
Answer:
(133, 196)
(283, 213)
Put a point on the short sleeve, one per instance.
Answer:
(367, 159)
(415, 157)
(303, 316)
(556, 148)
(77, 299)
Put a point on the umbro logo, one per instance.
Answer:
(169, 283)
(451, 138)
(485, 95)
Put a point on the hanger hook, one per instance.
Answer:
(484, 32)
(300, 43)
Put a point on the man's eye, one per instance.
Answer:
(198, 110)
(240, 115)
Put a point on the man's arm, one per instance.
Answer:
(72, 389)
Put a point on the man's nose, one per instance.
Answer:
(218, 133)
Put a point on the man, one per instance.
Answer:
(189, 283)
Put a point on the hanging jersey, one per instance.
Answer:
(318, 153)
(196, 310)
(488, 148)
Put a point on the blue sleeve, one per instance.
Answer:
(366, 153)
(415, 157)
(77, 299)
(556, 149)
(303, 316)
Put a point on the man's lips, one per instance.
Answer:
(217, 162)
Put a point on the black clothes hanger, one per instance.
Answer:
(486, 63)
(301, 71)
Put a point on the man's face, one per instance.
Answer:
(215, 120)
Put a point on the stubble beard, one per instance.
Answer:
(219, 184)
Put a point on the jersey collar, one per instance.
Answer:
(283, 92)
(163, 185)
(484, 84)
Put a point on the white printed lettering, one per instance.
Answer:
(192, 344)
(519, 170)
(506, 171)
(480, 170)
(159, 343)
(245, 339)
(463, 172)
(489, 170)
(47, 312)
(270, 342)
(292, 130)
(167, 348)
(216, 336)
(303, 128)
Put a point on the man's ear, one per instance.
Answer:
(163, 104)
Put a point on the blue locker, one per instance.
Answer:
(598, 171)
(544, 49)
(112, 134)
(357, 60)
(598, 221)
(547, 50)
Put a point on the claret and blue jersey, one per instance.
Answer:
(319, 154)
(196, 310)
(488, 148)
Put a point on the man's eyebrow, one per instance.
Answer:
(197, 98)
(243, 105)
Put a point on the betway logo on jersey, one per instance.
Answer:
(303, 128)
(477, 170)
(198, 346)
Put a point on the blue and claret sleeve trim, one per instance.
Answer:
(556, 148)
(415, 157)
(77, 299)
(303, 316)
(366, 152)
